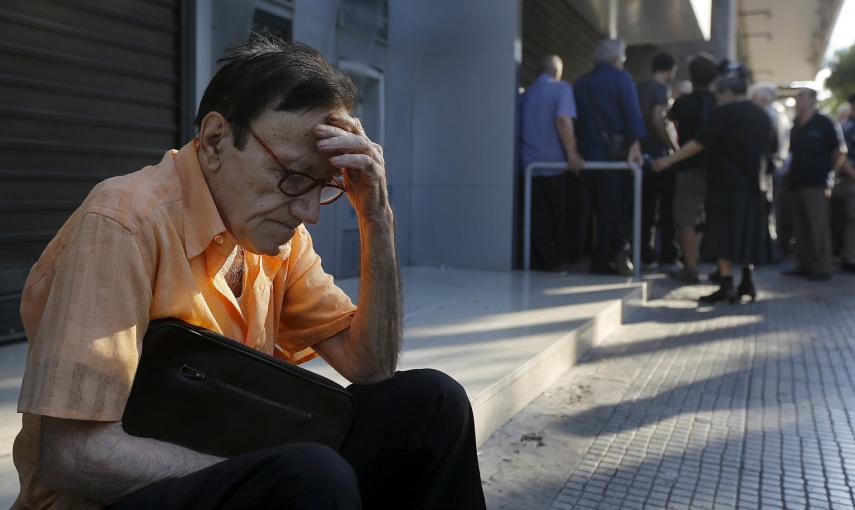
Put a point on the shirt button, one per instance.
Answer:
(219, 239)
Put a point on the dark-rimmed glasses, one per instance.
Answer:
(294, 184)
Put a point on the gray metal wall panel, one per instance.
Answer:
(451, 87)
(88, 90)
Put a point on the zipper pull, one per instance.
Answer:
(191, 373)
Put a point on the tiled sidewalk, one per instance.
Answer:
(731, 407)
(751, 408)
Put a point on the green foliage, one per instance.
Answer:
(841, 82)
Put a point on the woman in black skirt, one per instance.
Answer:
(737, 139)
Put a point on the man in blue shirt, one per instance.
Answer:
(610, 127)
(547, 110)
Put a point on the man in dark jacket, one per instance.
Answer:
(610, 128)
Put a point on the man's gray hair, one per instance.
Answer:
(608, 50)
(766, 90)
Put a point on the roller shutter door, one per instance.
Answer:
(88, 90)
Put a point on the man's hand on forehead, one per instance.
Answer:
(344, 135)
(360, 160)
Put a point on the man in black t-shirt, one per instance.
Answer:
(658, 189)
(689, 113)
(816, 148)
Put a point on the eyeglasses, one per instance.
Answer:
(294, 184)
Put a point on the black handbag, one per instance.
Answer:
(206, 392)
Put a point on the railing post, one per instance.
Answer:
(527, 217)
(636, 221)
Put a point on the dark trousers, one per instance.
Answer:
(611, 200)
(550, 230)
(411, 445)
(657, 217)
(812, 225)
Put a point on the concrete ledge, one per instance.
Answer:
(498, 403)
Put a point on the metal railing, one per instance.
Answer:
(589, 166)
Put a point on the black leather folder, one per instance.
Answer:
(206, 392)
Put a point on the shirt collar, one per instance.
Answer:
(202, 221)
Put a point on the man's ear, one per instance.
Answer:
(214, 131)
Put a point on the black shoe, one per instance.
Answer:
(714, 277)
(746, 288)
(724, 293)
(846, 266)
(684, 276)
(819, 277)
(796, 272)
(601, 269)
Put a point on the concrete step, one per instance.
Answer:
(505, 336)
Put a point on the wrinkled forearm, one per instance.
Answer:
(100, 462)
(567, 134)
(376, 330)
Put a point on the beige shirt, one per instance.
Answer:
(146, 246)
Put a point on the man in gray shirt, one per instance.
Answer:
(657, 217)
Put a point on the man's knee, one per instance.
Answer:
(433, 388)
(309, 472)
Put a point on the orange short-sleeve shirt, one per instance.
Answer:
(145, 246)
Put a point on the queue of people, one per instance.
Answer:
(724, 171)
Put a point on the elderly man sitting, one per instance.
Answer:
(213, 235)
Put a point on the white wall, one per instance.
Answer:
(451, 82)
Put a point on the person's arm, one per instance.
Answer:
(838, 146)
(848, 169)
(368, 351)
(635, 157)
(838, 158)
(687, 151)
(564, 124)
(632, 119)
(104, 275)
(101, 462)
(659, 122)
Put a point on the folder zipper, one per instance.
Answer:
(193, 373)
